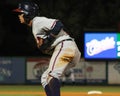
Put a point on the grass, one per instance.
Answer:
(38, 88)
(89, 88)
(21, 89)
(34, 88)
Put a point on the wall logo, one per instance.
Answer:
(40, 67)
(5, 69)
(95, 47)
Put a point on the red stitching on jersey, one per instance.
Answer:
(53, 24)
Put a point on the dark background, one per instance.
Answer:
(77, 16)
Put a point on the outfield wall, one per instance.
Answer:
(88, 72)
(113, 72)
(20, 70)
(12, 70)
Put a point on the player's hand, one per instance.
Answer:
(39, 42)
(45, 44)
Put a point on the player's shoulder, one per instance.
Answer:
(39, 18)
(42, 19)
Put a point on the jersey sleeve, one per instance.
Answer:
(57, 26)
(41, 26)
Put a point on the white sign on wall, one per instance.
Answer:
(113, 72)
(36, 67)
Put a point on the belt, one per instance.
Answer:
(67, 40)
(70, 39)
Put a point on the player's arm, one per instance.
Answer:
(39, 42)
(56, 28)
(51, 35)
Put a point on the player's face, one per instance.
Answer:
(21, 18)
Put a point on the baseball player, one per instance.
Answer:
(50, 39)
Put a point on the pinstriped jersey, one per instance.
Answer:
(40, 24)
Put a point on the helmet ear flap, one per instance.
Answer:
(27, 18)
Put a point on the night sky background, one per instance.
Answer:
(77, 16)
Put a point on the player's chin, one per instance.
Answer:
(22, 22)
(38, 45)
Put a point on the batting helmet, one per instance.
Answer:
(29, 9)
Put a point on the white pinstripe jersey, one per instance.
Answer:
(40, 23)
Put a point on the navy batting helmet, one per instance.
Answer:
(29, 9)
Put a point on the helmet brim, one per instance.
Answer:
(17, 10)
